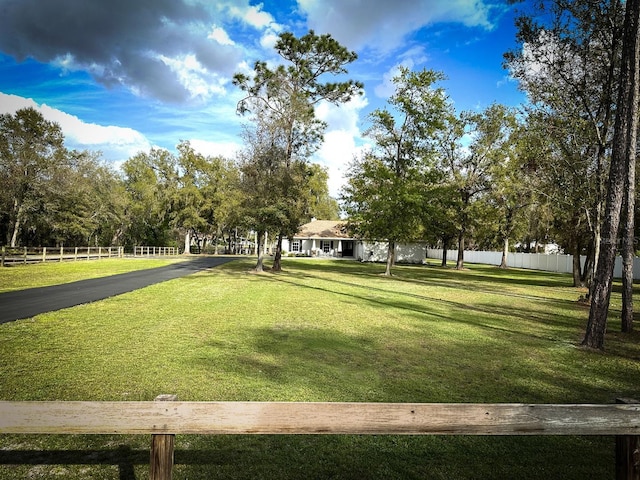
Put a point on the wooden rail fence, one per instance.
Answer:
(143, 251)
(24, 255)
(167, 417)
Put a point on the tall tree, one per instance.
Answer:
(470, 148)
(188, 212)
(283, 98)
(386, 188)
(321, 204)
(260, 168)
(513, 188)
(568, 64)
(623, 158)
(81, 205)
(150, 182)
(31, 148)
(439, 216)
(224, 199)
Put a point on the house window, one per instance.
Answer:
(295, 246)
(326, 246)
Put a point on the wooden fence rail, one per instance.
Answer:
(24, 255)
(163, 420)
(143, 251)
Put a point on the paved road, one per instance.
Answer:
(28, 303)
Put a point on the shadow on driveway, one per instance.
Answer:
(34, 301)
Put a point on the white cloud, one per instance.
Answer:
(220, 35)
(214, 149)
(341, 139)
(268, 40)
(337, 151)
(344, 116)
(197, 80)
(252, 15)
(256, 17)
(383, 25)
(116, 143)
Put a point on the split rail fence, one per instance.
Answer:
(167, 417)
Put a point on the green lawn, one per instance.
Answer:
(18, 277)
(322, 331)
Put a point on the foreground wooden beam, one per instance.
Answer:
(627, 451)
(162, 449)
(317, 418)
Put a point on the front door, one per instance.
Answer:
(347, 248)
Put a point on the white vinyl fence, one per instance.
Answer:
(535, 261)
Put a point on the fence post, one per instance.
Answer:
(25, 255)
(627, 451)
(75, 255)
(162, 446)
(61, 253)
(4, 252)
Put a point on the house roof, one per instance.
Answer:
(323, 229)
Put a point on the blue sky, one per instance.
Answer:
(122, 76)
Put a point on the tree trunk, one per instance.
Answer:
(445, 248)
(623, 148)
(235, 241)
(505, 253)
(628, 240)
(17, 224)
(589, 262)
(628, 255)
(460, 261)
(260, 252)
(575, 266)
(187, 242)
(391, 253)
(277, 267)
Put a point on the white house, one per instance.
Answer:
(322, 238)
(330, 238)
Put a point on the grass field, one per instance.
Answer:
(18, 277)
(322, 331)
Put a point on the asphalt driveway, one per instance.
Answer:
(31, 302)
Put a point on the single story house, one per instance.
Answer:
(331, 239)
(322, 238)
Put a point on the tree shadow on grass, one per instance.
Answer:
(507, 336)
(123, 457)
(349, 457)
(422, 305)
